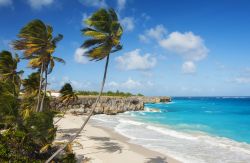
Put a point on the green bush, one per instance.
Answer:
(16, 146)
(40, 126)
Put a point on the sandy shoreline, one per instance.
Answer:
(103, 145)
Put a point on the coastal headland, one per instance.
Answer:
(109, 105)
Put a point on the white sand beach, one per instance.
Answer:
(102, 145)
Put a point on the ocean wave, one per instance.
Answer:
(171, 133)
(194, 128)
(234, 97)
(149, 109)
(187, 147)
(171, 102)
(141, 113)
(226, 143)
(131, 122)
(213, 111)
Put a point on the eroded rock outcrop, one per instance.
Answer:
(109, 105)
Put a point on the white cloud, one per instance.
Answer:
(121, 4)
(157, 33)
(56, 83)
(242, 80)
(80, 57)
(247, 70)
(133, 60)
(191, 47)
(113, 84)
(188, 67)
(128, 23)
(131, 84)
(149, 83)
(143, 38)
(38, 4)
(5, 3)
(220, 66)
(145, 16)
(77, 85)
(94, 3)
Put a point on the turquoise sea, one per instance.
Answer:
(220, 116)
(193, 129)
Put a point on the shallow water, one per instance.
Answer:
(190, 129)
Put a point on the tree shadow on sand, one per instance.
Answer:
(107, 144)
(96, 138)
(66, 133)
(83, 159)
(157, 159)
(110, 147)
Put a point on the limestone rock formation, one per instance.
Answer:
(109, 105)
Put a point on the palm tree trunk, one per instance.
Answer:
(45, 89)
(90, 114)
(14, 86)
(40, 87)
(64, 112)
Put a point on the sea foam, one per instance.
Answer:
(186, 147)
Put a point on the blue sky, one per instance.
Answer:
(171, 47)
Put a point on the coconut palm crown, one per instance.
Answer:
(38, 44)
(67, 94)
(8, 69)
(31, 84)
(105, 32)
(37, 41)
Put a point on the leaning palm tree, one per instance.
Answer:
(38, 44)
(67, 96)
(105, 32)
(8, 70)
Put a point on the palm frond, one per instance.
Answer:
(99, 52)
(113, 14)
(93, 33)
(58, 38)
(35, 62)
(105, 32)
(117, 48)
(51, 66)
(92, 42)
(100, 20)
(59, 59)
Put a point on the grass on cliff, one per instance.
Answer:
(109, 93)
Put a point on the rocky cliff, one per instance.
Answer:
(109, 105)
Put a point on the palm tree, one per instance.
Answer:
(67, 96)
(105, 32)
(30, 89)
(10, 82)
(31, 84)
(50, 63)
(37, 41)
(8, 104)
(8, 70)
